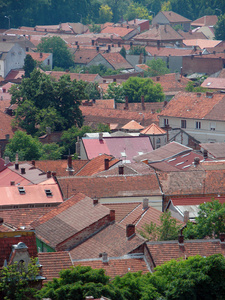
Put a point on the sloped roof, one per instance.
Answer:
(133, 125)
(84, 56)
(214, 83)
(153, 129)
(111, 186)
(111, 240)
(173, 17)
(117, 266)
(196, 106)
(69, 218)
(162, 252)
(120, 31)
(121, 209)
(7, 176)
(117, 61)
(5, 126)
(97, 165)
(4, 164)
(166, 51)
(159, 33)
(39, 56)
(168, 151)
(201, 43)
(195, 200)
(53, 262)
(192, 35)
(73, 76)
(217, 150)
(14, 74)
(205, 21)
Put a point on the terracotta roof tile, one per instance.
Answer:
(39, 56)
(174, 17)
(121, 209)
(192, 35)
(84, 56)
(5, 126)
(111, 240)
(205, 21)
(74, 76)
(117, 61)
(129, 169)
(217, 150)
(120, 31)
(168, 51)
(153, 129)
(133, 125)
(172, 82)
(195, 200)
(214, 83)
(201, 43)
(164, 251)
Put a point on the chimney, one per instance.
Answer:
(181, 240)
(106, 163)
(16, 166)
(76, 43)
(209, 94)
(145, 203)
(199, 94)
(12, 183)
(127, 26)
(100, 136)
(205, 154)
(222, 238)
(186, 216)
(196, 161)
(95, 201)
(121, 170)
(143, 102)
(126, 102)
(105, 257)
(6, 160)
(114, 79)
(109, 48)
(165, 103)
(119, 44)
(78, 47)
(112, 215)
(97, 48)
(130, 230)
(33, 163)
(41, 55)
(1, 221)
(181, 72)
(157, 78)
(69, 163)
(53, 174)
(49, 174)
(92, 42)
(23, 171)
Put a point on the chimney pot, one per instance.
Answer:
(95, 201)
(158, 78)
(205, 154)
(12, 182)
(106, 163)
(16, 166)
(196, 161)
(41, 54)
(100, 136)
(6, 160)
(105, 257)
(23, 171)
(130, 230)
(186, 216)
(53, 174)
(33, 162)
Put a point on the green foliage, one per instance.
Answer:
(220, 28)
(156, 67)
(166, 6)
(123, 52)
(95, 28)
(52, 152)
(62, 56)
(209, 223)
(102, 128)
(78, 282)
(135, 87)
(167, 230)
(137, 50)
(92, 90)
(115, 91)
(29, 65)
(135, 11)
(28, 148)
(105, 14)
(193, 87)
(43, 102)
(15, 281)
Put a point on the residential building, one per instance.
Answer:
(44, 60)
(173, 19)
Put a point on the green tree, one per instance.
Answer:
(167, 230)
(95, 28)
(28, 148)
(137, 11)
(209, 223)
(156, 67)
(62, 56)
(220, 28)
(29, 65)
(52, 152)
(15, 283)
(194, 87)
(165, 6)
(78, 282)
(92, 90)
(105, 14)
(115, 91)
(43, 102)
(123, 52)
(135, 87)
(137, 50)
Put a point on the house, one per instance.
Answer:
(205, 21)
(171, 18)
(214, 150)
(124, 31)
(124, 148)
(12, 57)
(214, 83)
(44, 60)
(132, 126)
(6, 131)
(21, 39)
(142, 24)
(199, 114)
(157, 135)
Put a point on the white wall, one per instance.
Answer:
(14, 59)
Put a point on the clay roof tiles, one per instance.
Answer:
(174, 17)
(117, 61)
(153, 129)
(132, 125)
(205, 21)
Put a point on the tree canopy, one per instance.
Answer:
(62, 56)
(156, 67)
(29, 65)
(43, 102)
(220, 28)
(135, 87)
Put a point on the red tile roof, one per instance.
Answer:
(214, 83)
(168, 51)
(14, 74)
(5, 126)
(153, 129)
(162, 252)
(195, 200)
(133, 125)
(217, 150)
(39, 56)
(84, 56)
(73, 76)
(201, 43)
(192, 35)
(172, 82)
(111, 240)
(120, 31)
(117, 266)
(117, 61)
(205, 21)
(196, 106)
(121, 209)
(7, 176)
(53, 262)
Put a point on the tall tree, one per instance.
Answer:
(220, 28)
(29, 65)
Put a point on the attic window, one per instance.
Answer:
(48, 193)
(21, 190)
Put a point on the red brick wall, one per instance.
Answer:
(193, 64)
(83, 234)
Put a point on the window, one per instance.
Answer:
(48, 193)
(198, 125)
(213, 126)
(158, 141)
(21, 190)
(48, 62)
(166, 122)
(183, 124)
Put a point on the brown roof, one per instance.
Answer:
(217, 150)
(168, 51)
(5, 126)
(73, 76)
(164, 251)
(117, 266)
(173, 17)
(129, 169)
(150, 107)
(111, 240)
(120, 31)
(97, 165)
(121, 209)
(201, 43)
(205, 21)
(172, 82)
(67, 219)
(59, 166)
(39, 56)
(133, 125)
(159, 33)
(196, 106)
(111, 186)
(53, 262)
(214, 83)
(192, 35)
(84, 56)
(117, 61)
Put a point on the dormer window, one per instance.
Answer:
(48, 193)
(21, 190)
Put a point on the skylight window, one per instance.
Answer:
(48, 193)
(21, 190)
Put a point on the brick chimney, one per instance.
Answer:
(41, 54)
(222, 238)
(205, 154)
(100, 136)
(121, 170)
(112, 215)
(181, 240)
(105, 258)
(49, 174)
(143, 102)
(106, 163)
(12, 183)
(130, 230)
(196, 161)
(95, 201)
(126, 103)
(23, 171)
(33, 163)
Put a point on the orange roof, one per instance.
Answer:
(39, 56)
(117, 61)
(74, 76)
(174, 17)
(120, 31)
(166, 51)
(202, 43)
(205, 21)
(153, 129)
(133, 125)
(84, 56)
(5, 126)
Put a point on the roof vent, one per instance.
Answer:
(1, 221)
(49, 174)
(23, 171)
(21, 190)
(196, 161)
(209, 94)
(105, 258)
(121, 170)
(12, 182)
(205, 154)
(100, 136)
(48, 193)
